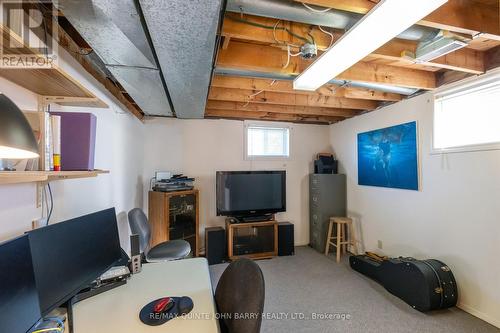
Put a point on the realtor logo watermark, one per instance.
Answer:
(28, 29)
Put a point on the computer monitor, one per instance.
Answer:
(19, 308)
(68, 256)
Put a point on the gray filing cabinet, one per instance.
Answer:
(327, 197)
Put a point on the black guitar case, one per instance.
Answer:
(424, 284)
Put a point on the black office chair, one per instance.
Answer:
(170, 250)
(241, 290)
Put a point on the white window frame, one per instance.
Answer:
(456, 88)
(248, 124)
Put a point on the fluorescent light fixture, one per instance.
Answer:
(384, 22)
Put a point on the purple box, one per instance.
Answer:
(78, 132)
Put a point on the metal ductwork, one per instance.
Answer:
(114, 30)
(295, 11)
(278, 76)
(184, 37)
(337, 19)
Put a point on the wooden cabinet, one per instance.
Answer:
(175, 215)
(256, 240)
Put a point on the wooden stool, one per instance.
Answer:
(340, 241)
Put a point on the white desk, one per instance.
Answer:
(117, 310)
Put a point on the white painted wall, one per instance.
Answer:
(199, 148)
(118, 149)
(455, 217)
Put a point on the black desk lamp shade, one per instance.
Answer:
(17, 140)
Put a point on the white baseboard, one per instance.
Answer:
(479, 314)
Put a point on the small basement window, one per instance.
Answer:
(467, 118)
(267, 141)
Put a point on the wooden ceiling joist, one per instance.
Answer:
(463, 16)
(254, 115)
(243, 95)
(492, 58)
(465, 60)
(269, 59)
(287, 87)
(259, 45)
(287, 109)
(462, 60)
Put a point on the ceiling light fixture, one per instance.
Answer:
(384, 22)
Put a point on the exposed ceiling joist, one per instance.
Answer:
(465, 60)
(492, 58)
(462, 60)
(270, 59)
(287, 87)
(270, 116)
(242, 95)
(463, 16)
(287, 109)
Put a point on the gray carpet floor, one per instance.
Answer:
(309, 284)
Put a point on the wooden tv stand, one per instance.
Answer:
(254, 240)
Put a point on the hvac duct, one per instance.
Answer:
(295, 11)
(184, 35)
(278, 76)
(114, 31)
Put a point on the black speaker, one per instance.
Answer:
(325, 163)
(215, 245)
(285, 239)
(135, 255)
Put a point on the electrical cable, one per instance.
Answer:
(46, 197)
(57, 320)
(51, 204)
(54, 329)
(316, 10)
(269, 27)
(289, 54)
(328, 33)
(312, 37)
(343, 85)
(255, 94)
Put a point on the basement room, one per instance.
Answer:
(249, 166)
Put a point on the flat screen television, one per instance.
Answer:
(247, 193)
(68, 256)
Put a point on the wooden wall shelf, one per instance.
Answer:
(54, 83)
(16, 177)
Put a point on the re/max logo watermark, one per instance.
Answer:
(28, 30)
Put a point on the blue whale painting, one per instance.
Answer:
(388, 157)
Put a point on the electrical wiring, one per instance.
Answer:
(328, 33)
(269, 27)
(54, 329)
(59, 322)
(45, 199)
(316, 10)
(343, 85)
(51, 203)
(289, 54)
(255, 94)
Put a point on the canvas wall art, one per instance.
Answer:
(388, 157)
